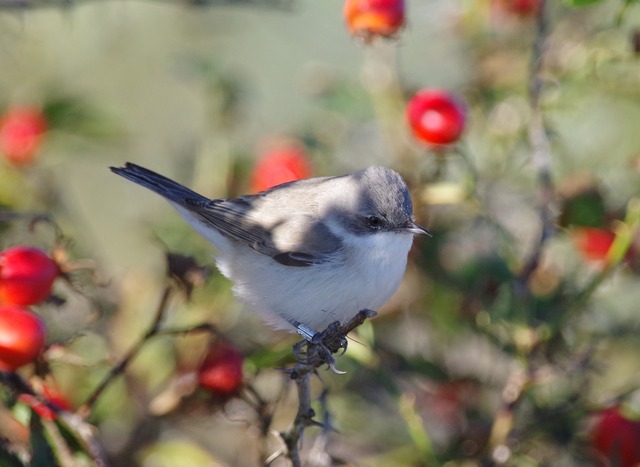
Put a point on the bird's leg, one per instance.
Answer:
(300, 349)
(303, 330)
(318, 348)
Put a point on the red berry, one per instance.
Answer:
(21, 133)
(522, 8)
(26, 275)
(282, 162)
(22, 336)
(221, 369)
(370, 18)
(436, 117)
(616, 439)
(53, 397)
(594, 243)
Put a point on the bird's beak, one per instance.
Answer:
(416, 229)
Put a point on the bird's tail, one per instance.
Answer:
(162, 185)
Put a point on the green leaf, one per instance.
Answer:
(585, 209)
(580, 3)
(425, 368)
(176, 452)
(269, 358)
(42, 453)
(80, 118)
(54, 443)
(73, 440)
(410, 414)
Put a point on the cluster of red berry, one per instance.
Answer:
(368, 19)
(26, 277)
(436, 117)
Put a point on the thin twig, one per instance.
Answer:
(622, 10)
(283, 5)
(304, 416)
(118, 369)
(512, 394)
(34, 218)
(260, 405)
(202, 327)
(282, 450)
(15, 381)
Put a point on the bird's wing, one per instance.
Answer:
(291, 239)
(283, 229)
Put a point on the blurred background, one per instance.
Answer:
(515, 331)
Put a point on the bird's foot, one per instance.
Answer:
(317, 348)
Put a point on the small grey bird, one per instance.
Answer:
(306, 253)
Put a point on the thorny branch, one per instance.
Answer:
(541, 158)
(541, 151)
(317, 352)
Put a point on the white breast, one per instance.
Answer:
(319, 295)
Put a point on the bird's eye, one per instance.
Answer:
(374, 222)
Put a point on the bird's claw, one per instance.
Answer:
(317, 348)
(299, 351)
(333, 368)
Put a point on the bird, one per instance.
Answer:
(304, 254)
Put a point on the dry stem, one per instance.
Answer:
(316, 355)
